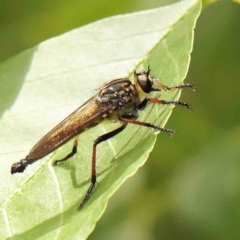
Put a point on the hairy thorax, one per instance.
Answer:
(122, 98)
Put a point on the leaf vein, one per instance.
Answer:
(109, 142)
(5, 217)
(58, 190)
(171, 57)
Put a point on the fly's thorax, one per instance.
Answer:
(120, 96)
(118, 93)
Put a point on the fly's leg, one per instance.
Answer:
(72, 153)
(167, 88)
(185, 85)
(94, 178)
(143, 104)
(165, 102)
(125, 119)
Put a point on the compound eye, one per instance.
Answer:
(145, 83)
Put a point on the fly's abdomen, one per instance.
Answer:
(79, 121)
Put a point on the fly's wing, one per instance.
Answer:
(86, 116)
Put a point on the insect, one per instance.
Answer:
(120, 100)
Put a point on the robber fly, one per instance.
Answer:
(119, 100)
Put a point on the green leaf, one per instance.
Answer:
(42, 85)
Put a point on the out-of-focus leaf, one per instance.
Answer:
(205, 3)
(237, 1)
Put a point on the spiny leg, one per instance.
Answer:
(167, 88)
(181, 86)
(165, 102)
(93, 178)
(143, 104)
(170, 132)
(72, 153)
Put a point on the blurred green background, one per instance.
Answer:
(190, 186)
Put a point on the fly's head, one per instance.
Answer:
(144, 82)
(143, 79)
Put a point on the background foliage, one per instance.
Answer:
(189, 188)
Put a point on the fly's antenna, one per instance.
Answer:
(148, 70)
